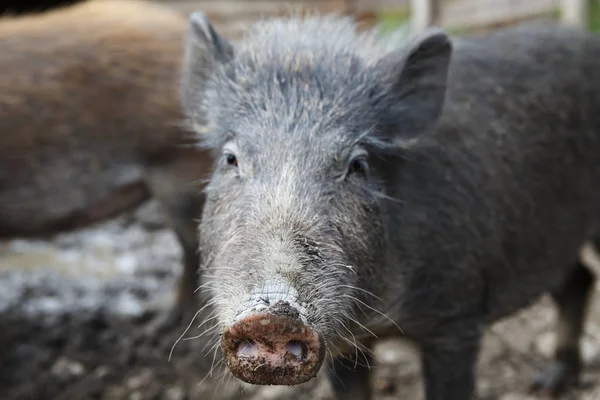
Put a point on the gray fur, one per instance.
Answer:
(481, 185)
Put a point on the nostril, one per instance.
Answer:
(247, 349)
(272, 349)
(296, 348)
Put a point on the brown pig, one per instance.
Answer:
(91, 123)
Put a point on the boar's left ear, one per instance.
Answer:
(205, 49)
(415, 79)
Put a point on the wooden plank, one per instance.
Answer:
(476, 13)
(382, 4)
(256, 8)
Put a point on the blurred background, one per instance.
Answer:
(459, 16)
(73, 305)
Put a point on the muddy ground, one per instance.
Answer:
(76, 313)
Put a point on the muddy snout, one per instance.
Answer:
(270, 348)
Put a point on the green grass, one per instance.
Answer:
(594, 16)
(391, 20)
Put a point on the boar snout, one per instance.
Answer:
(273, 347)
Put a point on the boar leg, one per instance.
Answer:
(350, 378)
(448, 364)
(571, 300)
(179, 193)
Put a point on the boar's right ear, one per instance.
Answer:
(415, 79)
(204, 50)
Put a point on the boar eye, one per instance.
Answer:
(231, 159)
(358, 165)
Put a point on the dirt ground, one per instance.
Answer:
(76, 309)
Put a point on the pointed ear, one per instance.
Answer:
(205, 49)
(415, 78)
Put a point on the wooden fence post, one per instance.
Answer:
(574, 12)
(424, 13)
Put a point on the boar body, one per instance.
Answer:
(422, 191)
